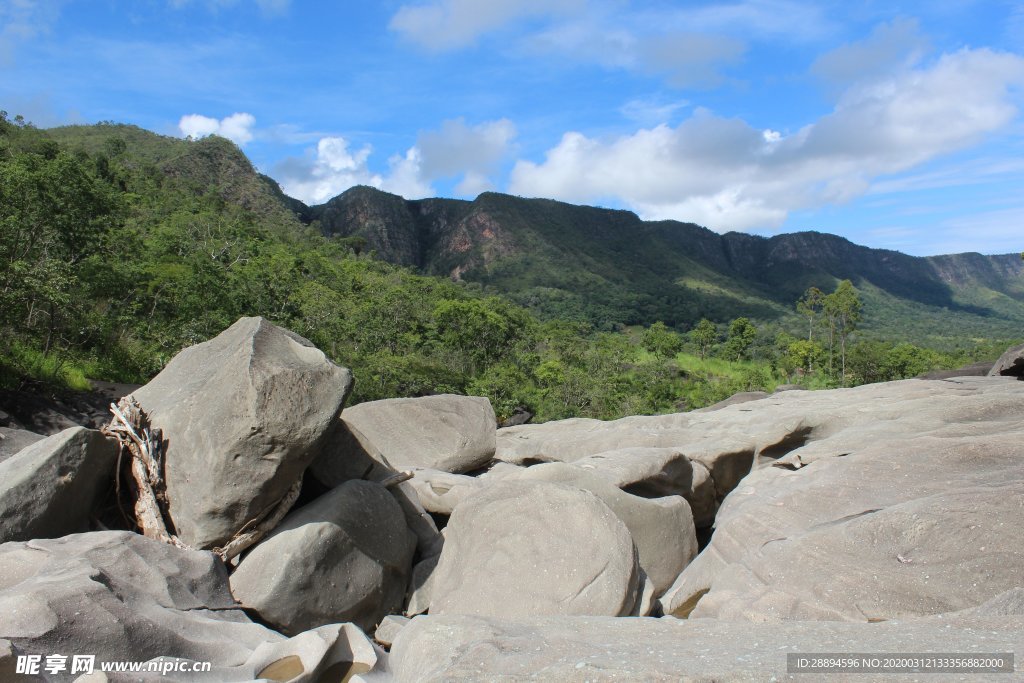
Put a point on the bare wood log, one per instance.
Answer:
(245, 539)
(148, 515)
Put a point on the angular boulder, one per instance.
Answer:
(444, 432)
(1010, 364)
(242, 416)
(529, 548)
(662, 528)
(345, 557)
(51, 487)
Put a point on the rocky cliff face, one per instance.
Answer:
(612, 262)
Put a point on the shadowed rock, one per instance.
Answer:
(51, 487)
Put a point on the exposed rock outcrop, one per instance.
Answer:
(242, 416)
(1010, 364)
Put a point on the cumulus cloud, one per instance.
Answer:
(238, 127)
(455, 150)
(729, 175)
(328, 171)
(450, 24)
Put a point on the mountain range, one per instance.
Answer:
(608, 267)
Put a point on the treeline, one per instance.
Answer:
(109, 265)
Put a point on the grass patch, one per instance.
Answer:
(21, 363)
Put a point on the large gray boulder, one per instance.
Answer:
(528, 548)
(444, 432)
(345, 557)
(577, 649)
(662, 528)
(242, 416)
(917, 512)
(51, 487)
(1010, 364)
(13, 440)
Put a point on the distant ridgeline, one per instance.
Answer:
(610, 268)
(119, 246)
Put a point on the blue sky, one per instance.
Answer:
(896, 125)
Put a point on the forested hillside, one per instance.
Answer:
(610, 268)
(119, 247)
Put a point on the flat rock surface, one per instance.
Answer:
(909, 503)
(578, 649)
(527, 548)
(242, 416)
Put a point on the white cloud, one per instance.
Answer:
(457, 148)
(330, 170)
(454, 150)
(449, 24)
(238, 127)
(727, 174)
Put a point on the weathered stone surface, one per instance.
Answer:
(50, 488)
(527, 548)
(909, 504)
(735, 399)
(657, 472)
(421, 586)
(662, 528)
(443, 432)
(389, 628)
(979, 369)
(120, 595)
(577, 649)
(439, 492)
(1010, 364)
(13, 440)
(242, 416)
(344, 557)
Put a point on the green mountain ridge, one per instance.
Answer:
(610, 268)
(603, 266)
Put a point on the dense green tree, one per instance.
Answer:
(661, 341)
(741, 335)
(704, 335)
(843, 309)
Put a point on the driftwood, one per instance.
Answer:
(146, 466)
(264, 524)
